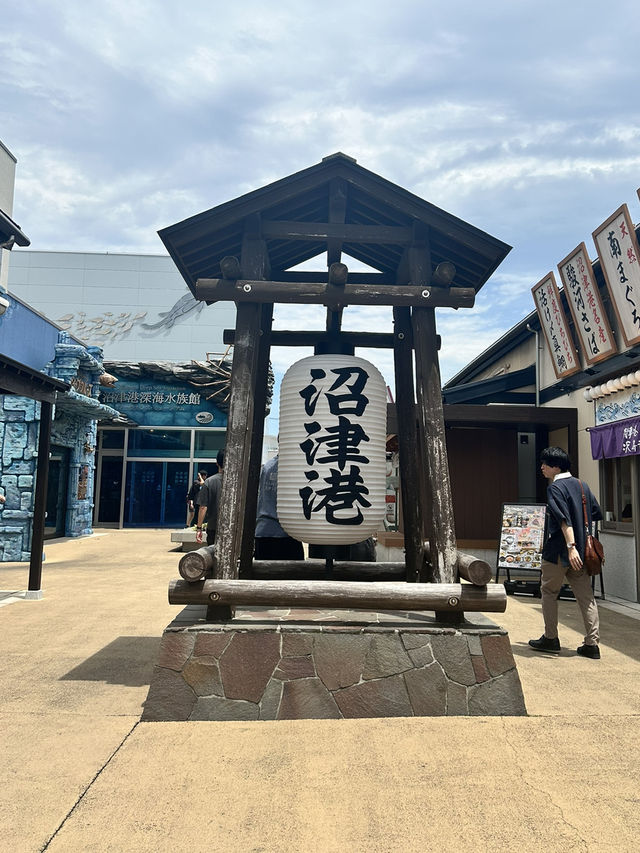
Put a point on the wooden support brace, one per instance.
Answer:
(318, 293)
(352, 595)
(472, 569)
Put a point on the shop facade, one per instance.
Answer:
(578, 351)
(169, 430)
(33, 345)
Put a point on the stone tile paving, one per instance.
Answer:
(325, 664)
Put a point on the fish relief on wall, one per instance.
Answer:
(109, 327)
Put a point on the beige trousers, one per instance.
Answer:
(553, 576)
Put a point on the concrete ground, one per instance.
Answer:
(79, 772)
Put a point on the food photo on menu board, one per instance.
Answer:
(522, 536)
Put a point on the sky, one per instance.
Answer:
(519, 117)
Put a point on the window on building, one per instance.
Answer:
(160, 442)
(617, 499)
(209, 442)
(112, 439)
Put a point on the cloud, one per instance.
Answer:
(520, 118)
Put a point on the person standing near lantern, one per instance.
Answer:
(207, 500)
(272, 542)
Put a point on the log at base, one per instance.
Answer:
(265, 666)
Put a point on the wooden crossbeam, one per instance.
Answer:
(352, 595)
(284, 338)
(302, 293)
(323, 231)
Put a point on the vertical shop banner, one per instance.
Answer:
(554, 325)
(617, 249)
(586, 306)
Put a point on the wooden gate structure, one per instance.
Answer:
(425, 258)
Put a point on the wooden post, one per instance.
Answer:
(410, 472)
(240, 444)
(440, 526)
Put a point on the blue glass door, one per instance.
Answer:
(155, 494)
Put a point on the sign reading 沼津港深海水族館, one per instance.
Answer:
(617, 249)
(554, 325)
(158, 403)
(583, 298)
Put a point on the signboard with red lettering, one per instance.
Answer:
(586, 306)
(617, 249)
(555, 327)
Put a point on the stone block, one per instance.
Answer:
(248, 663)
(452, 652)
(295, 667)
(270, 702)
(340, 658)
(422, 656)
(386, 656)
(296, 644)
(219, 708)
(307, 699)
(413, 640)
(169, 698)
(480, 668)
(457, 704)
(211, 644)
(203, 676)
(175, 649)
(385, 697)
(500, 696)
(427, 688)
(498, 654)
(25, 481)
(475, 646)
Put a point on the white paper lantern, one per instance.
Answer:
(331, 471)
(588, 394)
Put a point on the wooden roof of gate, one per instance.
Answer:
(198, 244)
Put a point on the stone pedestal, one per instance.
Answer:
(315, 664)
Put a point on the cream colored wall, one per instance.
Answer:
(7, 182)
(519, 358)
(587, 466)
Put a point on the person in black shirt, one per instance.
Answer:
(192, 494)
(208, 501)
(563, 552)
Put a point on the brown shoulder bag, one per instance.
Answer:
(593, 550)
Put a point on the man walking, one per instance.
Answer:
(563, 552)
(207, 501)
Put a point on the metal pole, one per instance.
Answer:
(40, 503)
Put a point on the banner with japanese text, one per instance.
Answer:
(583, 298)
(554, 325)
(617, 249)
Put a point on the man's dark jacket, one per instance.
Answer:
(564, 500)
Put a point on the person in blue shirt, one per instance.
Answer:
(272, 542)
(563, 553)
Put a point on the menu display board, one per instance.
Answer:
(522, 536)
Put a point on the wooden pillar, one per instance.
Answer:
(440, 526)
(40, 500)
(242, 450)
(411, 474)
(257, 430)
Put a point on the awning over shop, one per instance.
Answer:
(621, 438)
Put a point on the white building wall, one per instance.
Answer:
(7, 184)
(136, 307)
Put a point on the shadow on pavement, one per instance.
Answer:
(127, 660)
